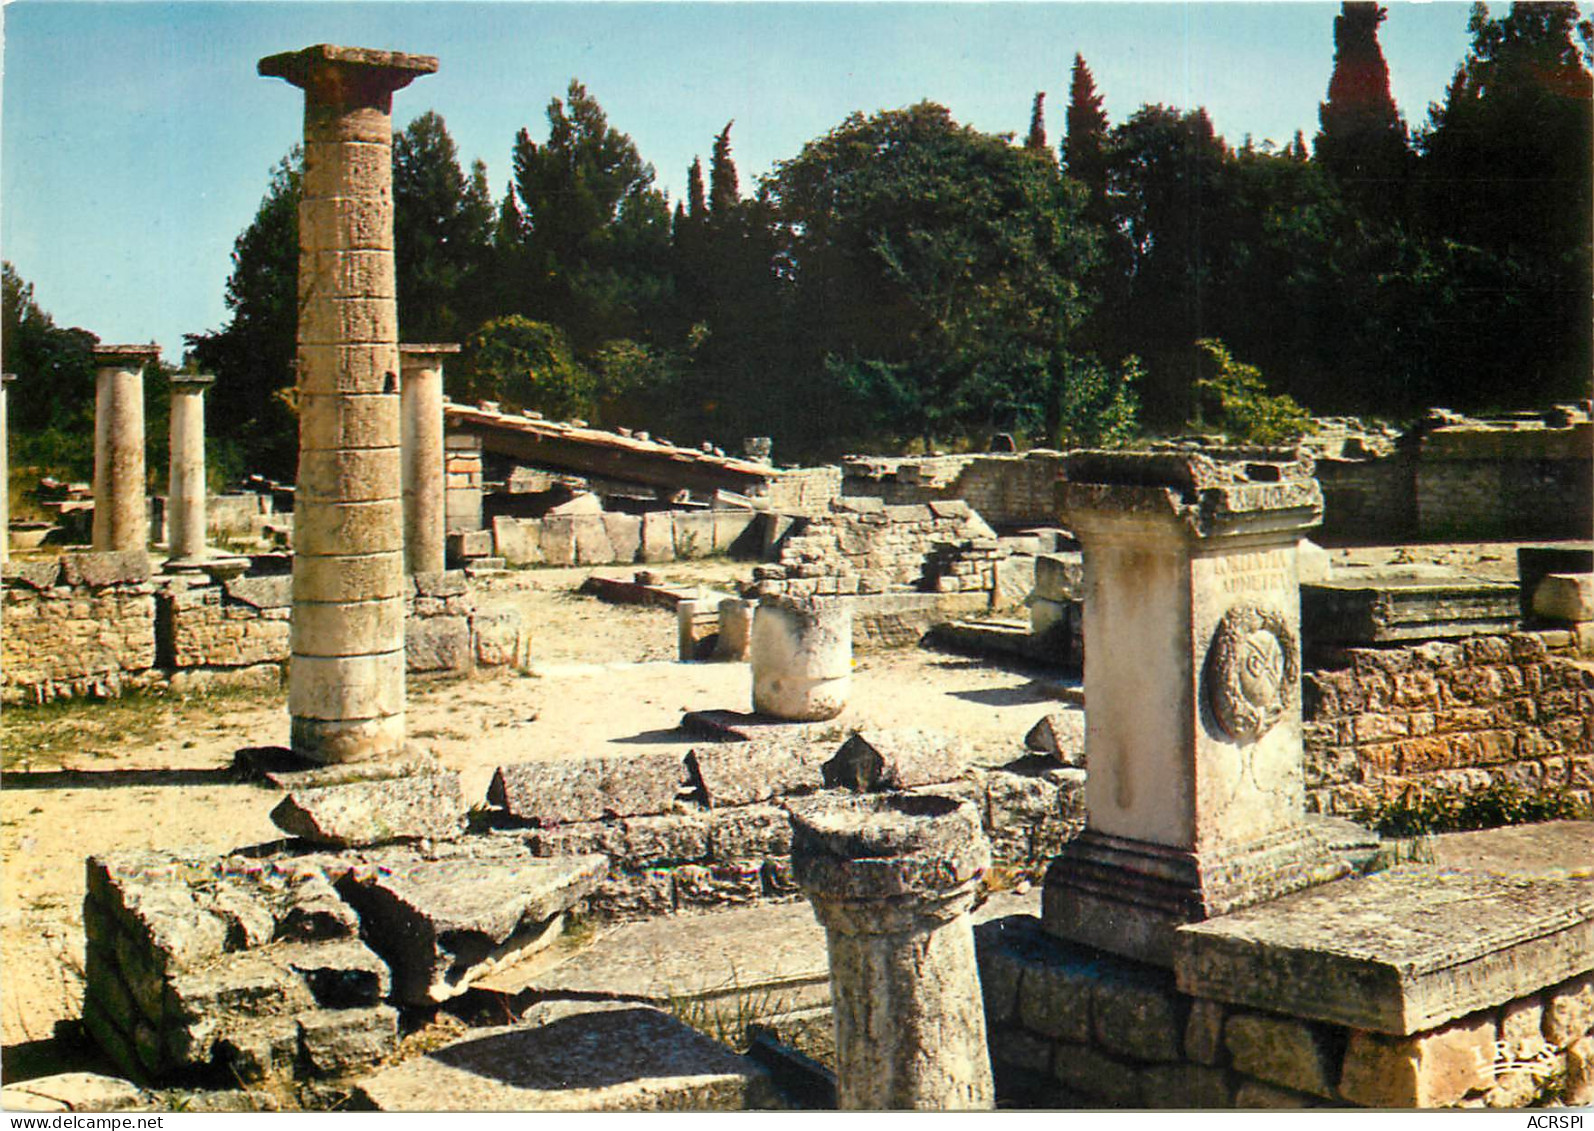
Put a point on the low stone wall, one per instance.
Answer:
(865, 545)
(613, 538)
(1459, 716)
(1008, 490)
(97, 625)
(803, 490)
(712, 831)
(1074, 1027)
(77, 625)
(1524, 481)
(1372, 497)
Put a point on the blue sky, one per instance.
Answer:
(136, 139)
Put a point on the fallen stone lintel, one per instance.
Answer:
(624, 1058)
(441, 924)
(416, 806)
(585, 789)
(1395, 952)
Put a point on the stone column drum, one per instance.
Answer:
(5, 472)
(892, 877)
(346, 678)
(1193, 729)
(121, 506)
(425, 504)
(185, 518)
(801, 654)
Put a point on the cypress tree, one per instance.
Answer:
(1362, 139)
(1084, 146)
(724, 193)
(696, 206)
(1036, 141)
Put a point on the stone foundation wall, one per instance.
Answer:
(713, 832)
(78, 625)
(613, 538)
(1367, 498)
(865, 545)
(1454, 716)
(803, 490)
(1007, 490)
(1074, 1027)
(97, 625)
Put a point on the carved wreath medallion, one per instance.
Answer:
(1253, 671)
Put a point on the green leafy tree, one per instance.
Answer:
(1362, 138)
(50, 408)
(1099, 407)
(525, 365)
(595, 238)
(253, 355)
(443, 223)
(1247, 412)
(935, 275)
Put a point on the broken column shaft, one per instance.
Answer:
(346, 679)
(892, 877)
(185, 513)
(425, 505)
(801, 655)
(121, 508)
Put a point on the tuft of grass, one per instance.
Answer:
(1422, 813)
(726, 1017)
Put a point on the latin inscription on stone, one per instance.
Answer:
(1253, 572)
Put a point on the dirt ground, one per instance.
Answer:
(97, 777)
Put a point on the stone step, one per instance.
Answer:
(613, 1057)
(751, 962)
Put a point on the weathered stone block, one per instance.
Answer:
(693, 533)
(1018, 1049)
(442, 924)
(750, 831)
(437, 644)
(1433, 1069)
(498, 637)
(720, 884)
(340, 974)
(585, 789)
(1569, 1011)
(518, 540)
(73, 1091)
(1255, 1094)
(741, 773)
(1137, 1012)
(1188, 1086)
(625, 536)
(658, 537)
(337, 1042)
(1279, 1050)
(417, 806)
(592, 540)
(626, 1058)
(1565, 596)
(559, 540)
(1203, 1032)
(1579, 1088)
(1060, 734)
(896, 759)
(97, 570)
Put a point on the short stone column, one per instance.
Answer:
(425, 503)
(892, 878)
(185, 495)
(346, 676)
(801, 655)
(121, 504)
(1196, 795)
(5, 472)
(736, 629)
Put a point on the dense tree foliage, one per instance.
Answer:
(51, 407)
(908, 280)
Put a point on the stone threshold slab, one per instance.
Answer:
(1396, 952)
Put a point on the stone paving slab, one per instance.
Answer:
(626, 1058)
(775, 951)
(1563, 849)
(1397, 951)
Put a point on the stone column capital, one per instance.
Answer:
(425, 355)
(125, 356)
(918, 851)
(331, 74)
(1243, 492)
(191, 382)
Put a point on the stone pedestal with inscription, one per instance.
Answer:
(1193, 732)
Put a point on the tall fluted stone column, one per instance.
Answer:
(1196, 794)
(121, 506)
(185, 513)
(346, 677)
(425, 501)
(5, 472)
(892, 878)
